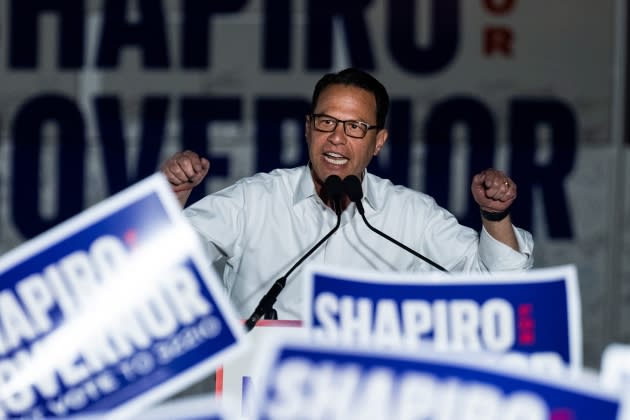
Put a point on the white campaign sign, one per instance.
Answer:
(111, 311)
(533, 314)
(302, 379)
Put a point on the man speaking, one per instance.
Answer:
(263, 225)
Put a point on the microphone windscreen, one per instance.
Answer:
(352, 185)
(334, 187)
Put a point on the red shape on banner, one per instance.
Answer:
(562, 414)
(499, 7)
(526, 324)
(498, 40)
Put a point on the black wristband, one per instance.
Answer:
(495, 216)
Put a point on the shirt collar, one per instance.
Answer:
(369, 190)
(306, 188)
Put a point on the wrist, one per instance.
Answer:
(493, 216)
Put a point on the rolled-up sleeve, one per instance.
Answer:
(497, 256)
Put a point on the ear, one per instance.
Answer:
(381, 139)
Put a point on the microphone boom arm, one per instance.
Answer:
(267, 301)
(353, 188)
(334, 187)
(405, 247)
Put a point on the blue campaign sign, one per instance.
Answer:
(534, 313)
(306, 380)
(110, 311)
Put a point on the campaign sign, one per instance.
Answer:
(309, 381)
(530, 317)
(236, 381)
(615, 371)
(110, 311)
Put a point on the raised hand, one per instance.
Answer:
(184, 171)
(493, 190)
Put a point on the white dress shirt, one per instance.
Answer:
(262, 225)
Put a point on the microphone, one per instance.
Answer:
(353, 188)
(333, 188)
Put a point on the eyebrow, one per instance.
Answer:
(339, 119)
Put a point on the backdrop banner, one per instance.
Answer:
(95, 94)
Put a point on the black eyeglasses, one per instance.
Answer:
(328, 124)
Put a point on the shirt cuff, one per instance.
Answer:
(497, 256)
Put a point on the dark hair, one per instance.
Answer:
(358, 78)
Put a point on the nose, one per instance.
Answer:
(338, 135)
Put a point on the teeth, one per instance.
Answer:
(335, 159)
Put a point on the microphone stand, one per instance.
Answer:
(355, 192)
(265, 306)
(405, 247)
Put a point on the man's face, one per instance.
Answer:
(335, 152)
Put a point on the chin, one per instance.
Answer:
(340, 173)
(325, 169)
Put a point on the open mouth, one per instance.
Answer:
(335, 158)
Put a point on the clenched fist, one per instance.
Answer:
(184, 171)
(493, 190)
